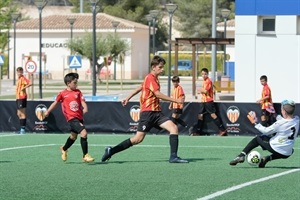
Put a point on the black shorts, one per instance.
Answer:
(21, 103)
(76, 125)
(150, 119)
(207, 107)
(177, 111)
(264, 142)
(264, 112)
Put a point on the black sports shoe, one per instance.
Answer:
(177, 160)
(106, 156)
(238, 159)
(263, 162)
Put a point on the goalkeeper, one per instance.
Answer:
(279, 138)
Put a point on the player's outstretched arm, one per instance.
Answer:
(132, 94)
(52, 106)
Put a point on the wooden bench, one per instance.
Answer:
(221, 86)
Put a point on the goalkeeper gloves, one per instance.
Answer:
(252, 117)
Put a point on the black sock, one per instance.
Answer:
(84, 145)
(173, 139)
(68, 144)
(121, 147)
(251, 145)
(219, 124)
(181, 122)
(22, 123)
(199, 125)
(264, 123)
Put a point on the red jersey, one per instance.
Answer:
(177, 93)
(21, 83)
(71, 103)
(209, 96)
(148, 100)
(266, 92)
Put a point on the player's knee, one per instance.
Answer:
(73, 136)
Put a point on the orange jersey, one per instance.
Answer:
(177, 93)
(266, 92)
(148, 100)
(21, 83)
(209, 96)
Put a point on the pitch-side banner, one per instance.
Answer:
(112, 117)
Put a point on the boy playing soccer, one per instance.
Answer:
(73, 106)
(176, 107)
(21, 98)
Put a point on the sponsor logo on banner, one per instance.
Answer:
(233, 114)
(135, 116)
(40, 111)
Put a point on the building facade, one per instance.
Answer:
(267, 42)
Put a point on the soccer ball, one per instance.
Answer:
(253, 158)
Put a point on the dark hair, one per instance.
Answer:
(156, 60)
(204, 70)
(175, 79)
(70, 77)
(264, 77)
(20, 69)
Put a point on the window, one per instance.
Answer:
(266, 25)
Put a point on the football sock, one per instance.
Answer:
(181, 122)
(199, 125)
(22, 123)
(68, 144)
(173, 139)
(121, 147)
(251, 145)
(219, 124)
(264, 123)
(84, 145)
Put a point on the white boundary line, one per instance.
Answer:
(25, 147)
(237, 187)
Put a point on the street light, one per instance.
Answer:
(115, 24)
(40, 4)
(72, 20)
(171, 8)
(154, 14)
(149, 19)
(225, 13)
(15, 17)
(94, 11)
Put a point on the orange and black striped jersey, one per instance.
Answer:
(209, 96)
(176, 94)
(266, 92)
(21, 83)
(148, 100)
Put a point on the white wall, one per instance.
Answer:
(277, 56)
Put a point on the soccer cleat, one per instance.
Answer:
(106, 156)
(223, 133)
(177, 160)
(64, 154)
(87, 158)
(263, 162)
(22, 131)
(238, 159)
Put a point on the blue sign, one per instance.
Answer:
(1, 59)
(75, 61)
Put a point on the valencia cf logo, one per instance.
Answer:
(135, 113)
(233, 113)
(40, 111)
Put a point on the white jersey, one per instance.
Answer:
(286, 132)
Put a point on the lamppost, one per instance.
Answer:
(94, 11)
(225, 13)
(171, 8)
(15, 17)
(154, 14)
(72, 20)
(149, 19)
(115, 24)
(40, 4)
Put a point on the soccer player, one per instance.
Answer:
(281, 144)
(21, 98)
(207, 106)
(177, 107)
(265, 101)
(73, 107)
(150, 115)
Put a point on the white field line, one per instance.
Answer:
(26, 147)
(237, 187)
